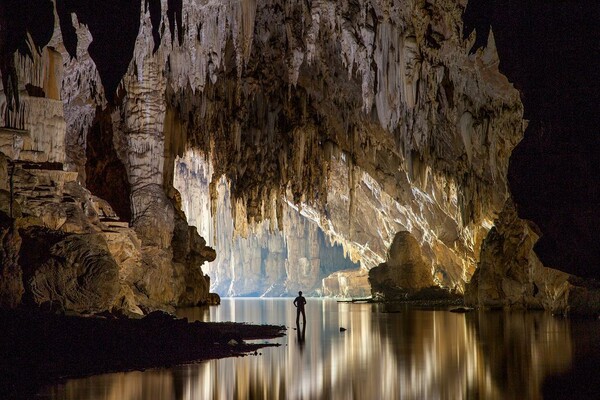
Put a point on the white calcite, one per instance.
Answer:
(370, 116)
(348, 121)
(264, 261)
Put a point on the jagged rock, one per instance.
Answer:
(418, 137)
(41, 153)
(404, 274)
(266, 261)
(153, 216)
(74, 272)
(511, 275)
(374, 118)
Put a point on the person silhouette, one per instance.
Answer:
(299, 303)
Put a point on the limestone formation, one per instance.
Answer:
(62, 248)
(366, 118)
(510, 274)
(404, 274)
(74, 273)
(266, 261)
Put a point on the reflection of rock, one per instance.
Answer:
(351, 283)
(510, 274)
(520, 350)
(413, 354)
(404, 274)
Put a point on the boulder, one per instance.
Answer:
(404, 274)
(510, 275)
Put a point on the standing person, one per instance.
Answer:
(299, 303)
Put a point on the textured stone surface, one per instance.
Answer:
(75, 273)
(73, 252)
(410, 155)
(404, 273)
(11, 274)
(510, 274)
(370, 117)
(265, 261)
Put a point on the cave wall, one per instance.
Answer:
(63, 248)
(551, 54)
(371, 116)
(337, 105)
(261, 260)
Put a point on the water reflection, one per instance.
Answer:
(410, 354)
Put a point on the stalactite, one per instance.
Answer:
(274, 94)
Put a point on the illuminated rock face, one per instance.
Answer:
(404, 273)
(64, 248)
(265, 261)
(375, 117)
(372, 116)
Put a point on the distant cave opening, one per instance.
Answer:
(265, 261)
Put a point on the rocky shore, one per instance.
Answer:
(38, 349)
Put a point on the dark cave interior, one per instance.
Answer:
(549, 50)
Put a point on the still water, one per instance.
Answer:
(384, 353)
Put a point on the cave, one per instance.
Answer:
(160, 157)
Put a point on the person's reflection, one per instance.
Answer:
(301, 335)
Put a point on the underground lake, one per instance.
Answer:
(374, 351)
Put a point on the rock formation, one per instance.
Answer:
(404, 273)
(66, 249)
(261, 260)
(370, 117)
(510, 274)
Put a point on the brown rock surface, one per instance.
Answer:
(11, 275)
(75, 273)
(510, 274)
(404, 273)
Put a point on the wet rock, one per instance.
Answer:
(213, 299)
